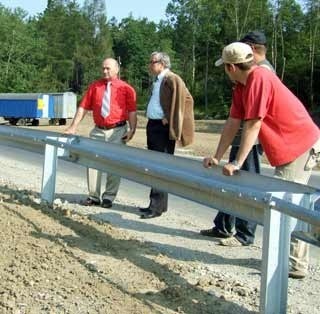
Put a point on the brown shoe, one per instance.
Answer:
(90, 202)
(297, 274)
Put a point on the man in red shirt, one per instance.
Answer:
(272, 114)
(235, 231)
(112, 102)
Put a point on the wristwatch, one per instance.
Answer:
(236, 164)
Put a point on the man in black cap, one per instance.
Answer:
(254, 37)
(224, 224)
(257, 41)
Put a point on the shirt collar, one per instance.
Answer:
(162, 74)
(114, 79)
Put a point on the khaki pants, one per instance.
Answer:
(94, 176)
(299, 171)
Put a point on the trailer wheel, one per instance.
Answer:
(35, 122)
(62, 121)
(23, 121)
(52, 122)
(13, 121)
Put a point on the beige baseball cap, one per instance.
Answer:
(235, 53)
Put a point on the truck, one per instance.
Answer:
(29, 108)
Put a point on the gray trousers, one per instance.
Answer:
(94, 176)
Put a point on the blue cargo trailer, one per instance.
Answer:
(30, 107)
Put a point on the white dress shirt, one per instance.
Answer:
(154, 109)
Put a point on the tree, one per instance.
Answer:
(20, 52)
(77, 42)
(313, 29)
(211, 25)
(183, 18)
(100, 43)
(134, 41)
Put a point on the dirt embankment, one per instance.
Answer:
(55, 260)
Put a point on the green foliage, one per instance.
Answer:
(19, 51)
(134, 41)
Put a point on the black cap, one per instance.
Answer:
(255, 37)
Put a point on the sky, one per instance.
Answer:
(154, 10)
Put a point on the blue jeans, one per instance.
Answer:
(225, 223)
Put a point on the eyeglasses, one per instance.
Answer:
(154, 62)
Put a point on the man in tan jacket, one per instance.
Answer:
(170, 119)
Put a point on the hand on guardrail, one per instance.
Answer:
(230, 169)
(208, 162)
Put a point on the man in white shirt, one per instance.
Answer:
(170, 118)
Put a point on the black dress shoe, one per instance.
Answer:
(90, 202)
(144, 209)
(150, 214)
(214, 232)
(106, 203)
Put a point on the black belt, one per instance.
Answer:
(112, 126)
(155, 121)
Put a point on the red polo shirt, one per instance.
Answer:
(123, 101)
(287, 130)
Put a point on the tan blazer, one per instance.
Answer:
(177, 105)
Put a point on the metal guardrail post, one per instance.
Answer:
(49, 173)
(50, 167)
(275, 254)
(274, 270)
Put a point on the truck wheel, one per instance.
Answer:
(62, 121)
(35, 122)
(22, 121)
(13, 121)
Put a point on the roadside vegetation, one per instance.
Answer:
(62, 48)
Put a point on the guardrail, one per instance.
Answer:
(273, 203)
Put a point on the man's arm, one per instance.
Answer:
(80, 114)
(230, 129)
(251, 129)
(132, 118)
(131, 105)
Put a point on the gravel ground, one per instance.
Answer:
(67, 259)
